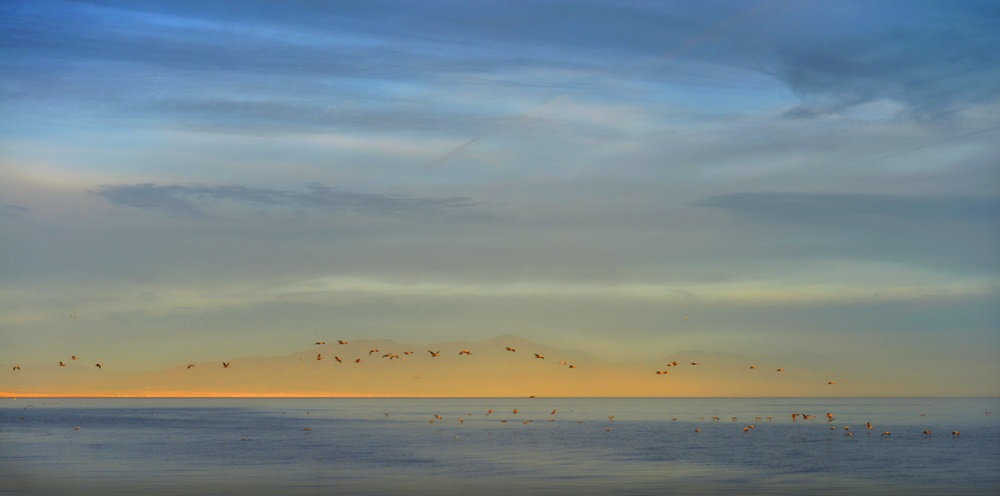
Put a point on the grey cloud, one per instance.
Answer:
(14, 211)
(192, 200)
(847, 207)
(930, 62)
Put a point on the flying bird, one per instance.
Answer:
(73, 357)
(190, 366)
(320, 342)
(61, 364)
(465, 352)
(510, 349)
(97, 365)
(17, 367)
(319, 356)
(434, 353)
(373, 350)
(539, 356)
(225, 365)
(337, 358)
(341, 341)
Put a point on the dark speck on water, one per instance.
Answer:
(354, 446)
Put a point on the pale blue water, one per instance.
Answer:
(259, 446)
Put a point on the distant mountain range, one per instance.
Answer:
(379, 367)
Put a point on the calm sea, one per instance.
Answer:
(587, 447)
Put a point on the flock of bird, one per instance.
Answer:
(868, 427)
(433, 354)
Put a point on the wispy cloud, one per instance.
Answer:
(193, 200)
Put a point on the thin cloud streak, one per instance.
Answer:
(192, 200)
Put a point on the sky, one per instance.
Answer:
(184, 181)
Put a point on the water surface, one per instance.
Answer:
(589, 446)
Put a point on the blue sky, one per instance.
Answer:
(188, 180)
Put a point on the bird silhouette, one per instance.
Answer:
(225, 365)
(434, 353)
(97, 365)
